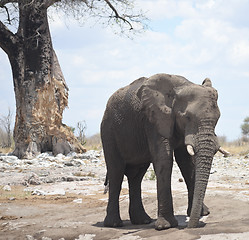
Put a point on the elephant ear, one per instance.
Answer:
(207, 82)
(157, 109)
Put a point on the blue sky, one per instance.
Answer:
(196, 39)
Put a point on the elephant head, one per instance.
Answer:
(186, 114)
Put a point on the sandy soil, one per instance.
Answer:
(76, 209)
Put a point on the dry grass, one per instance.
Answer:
(93, 142)
(234, 149)
(17, 192)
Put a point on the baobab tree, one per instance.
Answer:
(41, 92)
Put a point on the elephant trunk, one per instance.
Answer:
(205, 148)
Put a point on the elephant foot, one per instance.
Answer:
(162, 223)
(139, 218)
(113, 222)
(205, 210)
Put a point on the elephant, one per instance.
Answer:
(155, 120)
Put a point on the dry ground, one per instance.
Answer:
(59, 217)
(80, 212)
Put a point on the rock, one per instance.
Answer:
(86, 237)
(69, 164)
(78, 162)
(79, 200)
(46, 238)
(39, 234)
(72, 154)
(49, 180)
(29, 237)
(7, 188)
(38, 192)
(58, 191)
(9, 159)
(69, 179)
(91, 154)
(44, 155)
(34, 179)
(59, 156)
(95, 160)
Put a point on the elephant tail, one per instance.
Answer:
(106, 185)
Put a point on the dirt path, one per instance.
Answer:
(59, 217)
(76, 209)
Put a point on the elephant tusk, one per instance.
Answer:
(190, 150)
(224, 152)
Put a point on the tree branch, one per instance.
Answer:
(7, 38)
(48, 3)
(3, 2)
(117, 16)
(2, 5)
(8, 15)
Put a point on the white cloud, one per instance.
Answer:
(78, 61)
(240, 52)
(162, 9)
(205, 4)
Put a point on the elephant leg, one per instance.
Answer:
(135, 175)
(186, 166)
(115, 174)
(163, 162)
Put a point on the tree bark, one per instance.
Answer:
(40, 89)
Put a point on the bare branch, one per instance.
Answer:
(48, 3)
(7, 38)
(117, 16)
(8, 15)
(121, 15)
(6, 121)
(10, 8)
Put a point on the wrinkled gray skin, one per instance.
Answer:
(146, 122)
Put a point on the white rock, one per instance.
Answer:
(78, 162)
(86, 237)
(9, 159)
(44, 155)
(59, 156)
(29, 237)
(91, 154)
(46, 238)
(7, 188)
(72, 154)
(59, 191)
(38, 192)
(128, 237)
(95, 160)
(79, 200)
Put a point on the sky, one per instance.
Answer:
(192, 38)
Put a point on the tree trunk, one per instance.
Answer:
(40, 89)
